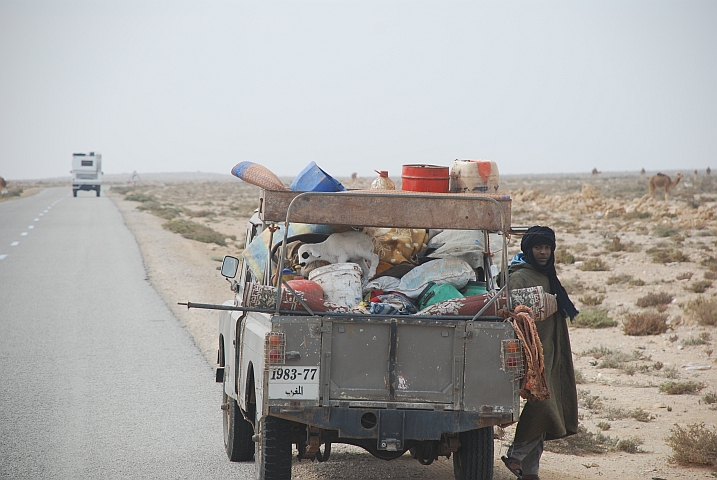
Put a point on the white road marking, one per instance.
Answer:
(14, 244)
(31, 227)
(36, 220)
(41, 214)
(2, 257)
(23, 234)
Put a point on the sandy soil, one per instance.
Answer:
(588, 214)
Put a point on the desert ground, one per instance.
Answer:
(642, 271)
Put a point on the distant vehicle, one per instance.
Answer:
(86, 172)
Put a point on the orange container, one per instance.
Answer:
(425, 178)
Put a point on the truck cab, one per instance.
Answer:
(86, 172)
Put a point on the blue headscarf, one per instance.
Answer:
(534, 237)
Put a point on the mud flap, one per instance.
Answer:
(390, 430)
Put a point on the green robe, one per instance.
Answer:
(557, 417)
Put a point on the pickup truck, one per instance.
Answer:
(431, 385)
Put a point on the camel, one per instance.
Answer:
(595, 171)
(3, 186)
(664, 182)
(642, 172)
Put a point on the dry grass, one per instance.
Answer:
(647, 323)
(709, 398)
(564, 256)
(700, 286)
(636, 215)
(684, 276)
(638, 282)
(582, 443)
(594, 265)
(681, 388)
(702, 339)
(710, 263)
(590, 318)
(703, 310)
(195, 231)
(653, 299)
(619, 279)
(629, 445)
(617, 245)
(694, 445)
(667, 254)
(664, 231)
(592, 300)
(604, 426)
(710, 275)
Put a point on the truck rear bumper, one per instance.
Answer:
(391, 423)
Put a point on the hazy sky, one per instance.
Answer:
(177, 86)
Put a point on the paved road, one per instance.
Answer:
(97, 377)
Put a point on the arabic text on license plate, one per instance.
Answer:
(297, 383)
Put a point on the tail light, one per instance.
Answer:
(275, 348)
(512, 355)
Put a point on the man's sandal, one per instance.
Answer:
(513, 465)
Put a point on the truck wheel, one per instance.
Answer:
(237, 431)
(98, 191)
(273, 461)
(74, 193)
(474, 458)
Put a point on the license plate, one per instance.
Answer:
(294, 383)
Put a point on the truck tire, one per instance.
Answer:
(98, 191)
(273, 460)
(474, 458)
(237, 431)
(74, 193)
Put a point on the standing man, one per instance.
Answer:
(556, 417)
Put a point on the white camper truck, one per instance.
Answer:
(86, 172)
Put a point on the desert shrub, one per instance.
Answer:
(629, 445)
(591, 402)
(710, 275)
(597, 318)
(641, 415)
(647, 323)
(594, 265)
(596, 352)
(652, 299)
(702, 339)
(579, 377)
(604, 426)
(710, 263)
(658, 365)
(121, 190)
(700, 286)
(638, 282)
(636, 215)
(198, 213)
(616, 245)
(709, 398)
(671, 373)
(666, 254)
(664, 231)
(693, 445)
(162, 211)
(583, 442)
(195, 231)
(15, 191)
(592, 300)
(703, 310)
(680, 388)
(573, 286)
(564, 256)
(139, 197)
(618, 279)
(684, 276)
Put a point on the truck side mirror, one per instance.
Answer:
(230, 265)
